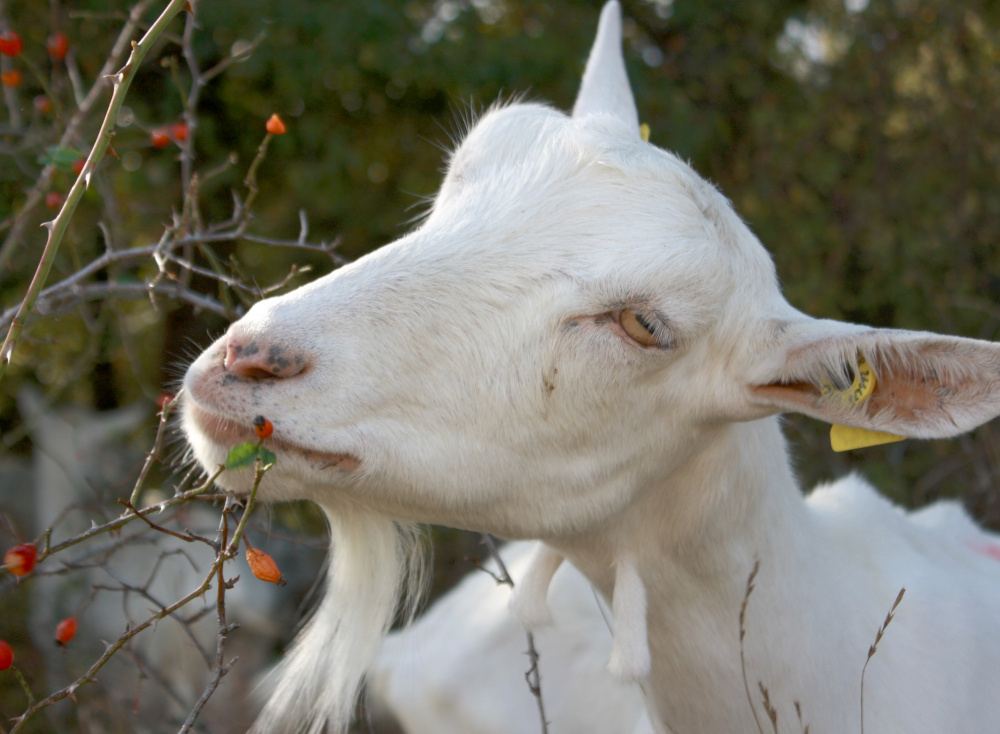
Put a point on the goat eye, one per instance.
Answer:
(638, 327)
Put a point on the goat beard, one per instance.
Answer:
(375, 572)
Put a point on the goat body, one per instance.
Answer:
(584, 344)
(459, 669)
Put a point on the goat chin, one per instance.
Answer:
(375, 571)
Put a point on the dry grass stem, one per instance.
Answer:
(772, 712)
(743, 633)
(798, 712)
(873, 648)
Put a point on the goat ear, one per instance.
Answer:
(605, 89)
(910, 384)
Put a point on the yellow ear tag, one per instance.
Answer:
(845, 438)
(644, 132)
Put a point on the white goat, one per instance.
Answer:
(459, 669)
(583, 343)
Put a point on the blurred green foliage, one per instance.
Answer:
(860, 140)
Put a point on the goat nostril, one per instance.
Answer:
(253, 362)
(256, 373)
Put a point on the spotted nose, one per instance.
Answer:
(256, 360)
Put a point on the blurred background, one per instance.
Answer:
(860, 140)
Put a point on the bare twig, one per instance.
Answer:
(57, 227)
(221, 667)
(88, 677)
(533, 674)
(153, 453)
(164, 269)
(225, 549)
(72, 130)
(74, 289)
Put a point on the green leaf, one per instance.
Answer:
(245, 454)
(242, 455)
(62, 157)
(267, 458)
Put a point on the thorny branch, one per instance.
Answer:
(533, 674)
(225, 548)
(57, 227)
(176, 246)
(161, 270)
(72, 131)
(76, 288)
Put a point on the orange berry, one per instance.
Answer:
(180, 131)
(11, 78)
(264, 567)
(159, 138)
(20, 560)
(10, 44)
(66, 631)
(78, 165)
(57, 46)
(53, 200)
(165, 399)
(275, 126)
(6, 655)
(263, 427)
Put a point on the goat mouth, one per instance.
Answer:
(227, 432)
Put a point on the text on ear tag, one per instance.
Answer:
(845, 438)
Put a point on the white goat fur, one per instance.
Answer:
(476, 374)
(459, 669)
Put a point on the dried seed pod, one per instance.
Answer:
(264, 567)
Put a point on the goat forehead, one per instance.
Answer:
(534, 200)
(515, 266)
